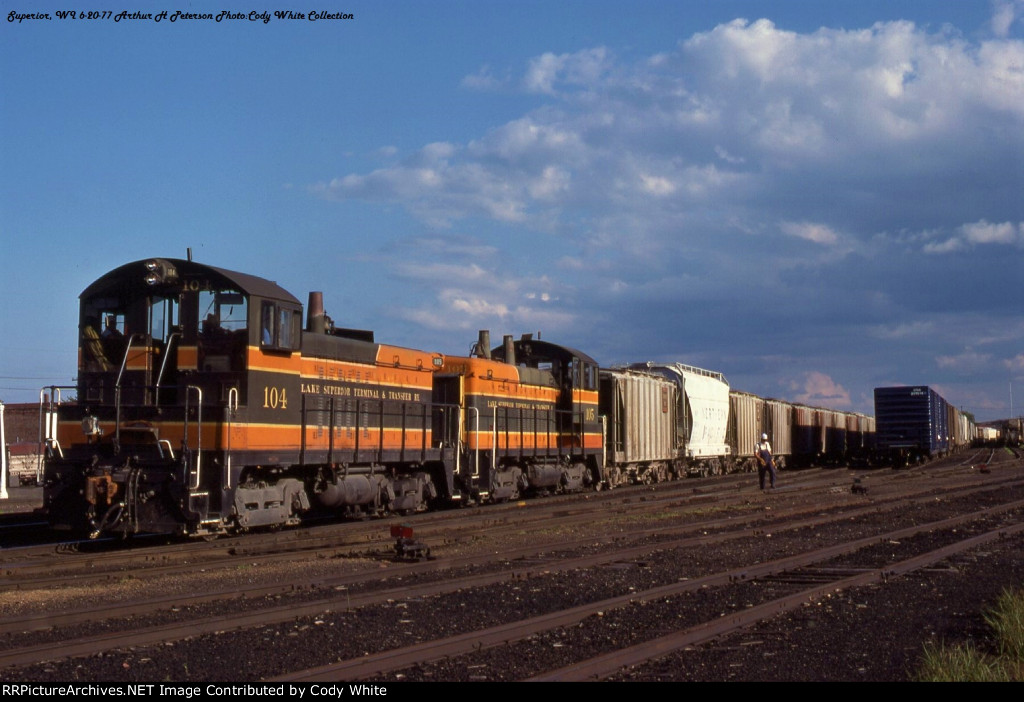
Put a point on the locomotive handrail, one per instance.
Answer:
(166, 443)
(117, 392)
(370, 416)
(476, 434)
(48, 434)
(163, 367)
(380, 432)
(230, 410)
(494, 441)
(330, 431)
(199, 433)
(604, 440)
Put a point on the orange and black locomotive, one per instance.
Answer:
(206, 404)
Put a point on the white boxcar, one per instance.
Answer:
(988, 433)
(703, 413)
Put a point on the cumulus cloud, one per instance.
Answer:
(984, 233)
(744, 113)
(967, 362)
(1005, 13)
(980, 233)
(818, 233)
(583, 68)
(747, 167)
(483, 79)
(470, 286)
(817, 388)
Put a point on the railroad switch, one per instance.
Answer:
(859, 488)
(408, 548)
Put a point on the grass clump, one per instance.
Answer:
(965, 663)
(959, 664)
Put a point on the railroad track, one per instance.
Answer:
(347, 597)
(58, 566)
(373, 666)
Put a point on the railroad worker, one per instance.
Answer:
(111, 331)
(765, 463)
(211, 325)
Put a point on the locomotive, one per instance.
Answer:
(204, 405)
(207, 404)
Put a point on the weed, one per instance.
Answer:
(966, 664)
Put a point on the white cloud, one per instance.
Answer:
(483, 79)
(727, 157)
(979, 233)
(984, 233)
(1015, 364)
(747, 168)
(475, 308)
(910, 330)
(656, 185)
(552, 182)
(1004, 14)
(942, 247)
(584, 68)
(817, 388)
(746, 110)
(966, 362)
(818, 233)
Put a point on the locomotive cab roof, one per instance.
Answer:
(530, 351)
(160, 272)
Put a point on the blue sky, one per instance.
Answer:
(815, 198)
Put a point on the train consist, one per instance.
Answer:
(206, 404)
(712, 429)
(915, 423)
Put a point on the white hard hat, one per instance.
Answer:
(764, 437)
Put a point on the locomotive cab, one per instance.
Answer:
(165, 350)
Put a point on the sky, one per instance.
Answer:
(813, 198)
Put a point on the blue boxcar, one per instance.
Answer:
(911, 422)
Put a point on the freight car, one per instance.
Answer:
(915, 423)
(716, 428)
(800, 435)
(643, 439)
(701, 400)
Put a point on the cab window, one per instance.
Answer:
(279, 326)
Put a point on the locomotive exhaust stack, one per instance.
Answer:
(316, 319)
(483, 346)
(510, 350)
